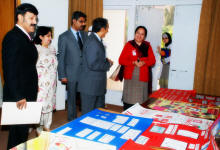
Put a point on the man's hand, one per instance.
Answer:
(110, 61)
(64, 80)
(21, 104)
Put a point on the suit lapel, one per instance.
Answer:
(100, 43)
(72, 37)
(82, 36)
(22, 33)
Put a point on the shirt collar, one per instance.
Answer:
(73, 30)
(74, 33)
(22, 29)
(98, 37)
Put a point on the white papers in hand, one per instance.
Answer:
(12, 115)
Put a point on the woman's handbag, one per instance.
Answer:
(118, 73)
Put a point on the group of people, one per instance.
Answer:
(30, 67)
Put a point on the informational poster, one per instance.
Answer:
(167, 117)
(175, 136)
(105, 127)
(170, 136)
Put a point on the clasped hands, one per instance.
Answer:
(138, 63)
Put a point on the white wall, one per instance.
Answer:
(53, 13)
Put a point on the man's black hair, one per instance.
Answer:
(77, 14)
(99, 23)
(23, 8)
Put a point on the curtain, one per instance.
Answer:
(207, 71)
(92, 8)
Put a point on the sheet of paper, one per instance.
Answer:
(174, 144)
(142, 140)
(97, 123)
(12, 115)
(188, 134)
(106, 138)
(65, 130)
(131, 134)
(84, 132)
(120, 119)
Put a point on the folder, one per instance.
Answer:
(11, 115)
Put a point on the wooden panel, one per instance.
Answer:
(7, 8)
(207, 79)
(92, 8)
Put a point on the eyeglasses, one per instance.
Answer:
(81, 21)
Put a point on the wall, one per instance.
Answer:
(52, 13)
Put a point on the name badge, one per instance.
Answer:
(134, 52)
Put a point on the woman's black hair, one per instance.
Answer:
(41, 30)
(143, 27)
(169, 38)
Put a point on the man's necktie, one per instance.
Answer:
(79, 41)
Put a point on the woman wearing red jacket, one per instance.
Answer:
(136, 57)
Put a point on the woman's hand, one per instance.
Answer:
(139, 63)
(158, 49)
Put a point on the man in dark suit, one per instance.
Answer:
(92, 85)
(19, 57)
(70, 45)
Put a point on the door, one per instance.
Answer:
(184, 47)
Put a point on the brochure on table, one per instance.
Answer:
(167, 117)
(105, 127)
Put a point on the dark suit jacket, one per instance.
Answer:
(19, 57)
(69, 56)
(93, 77)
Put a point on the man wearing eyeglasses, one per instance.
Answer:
(70, 45)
